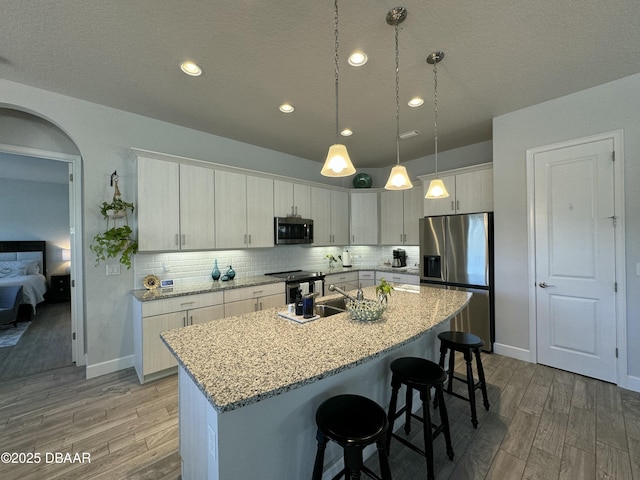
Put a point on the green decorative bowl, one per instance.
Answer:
(362, 180)
(365, 310)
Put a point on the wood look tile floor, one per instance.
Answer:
(543, 424)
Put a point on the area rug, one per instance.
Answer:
(10, 335)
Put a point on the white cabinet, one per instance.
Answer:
(243, 210)
(175, 206)
(330, 214)
(399, 215)
(291, 199)
(152, 358)
(345, 281)
(366, 278)
(398, 278)
(470, 190)
(364, 218)
(253, 299)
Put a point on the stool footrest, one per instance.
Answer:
(364, 470)
(407, 443)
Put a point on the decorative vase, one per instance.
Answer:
(231, 273)
(215, 273)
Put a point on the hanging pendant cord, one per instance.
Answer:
(435, 110)
(335, 59)
(397, 98)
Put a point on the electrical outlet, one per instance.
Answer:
(113, 269)
(213, 443)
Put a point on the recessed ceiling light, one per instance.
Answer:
(416, 102)
(191, 68)
(286, 108)
(347, 132)
(358, 58)
(409, 134)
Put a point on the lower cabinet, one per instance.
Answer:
(345, 281)
(367, 278)
(399, 278)
(152, 358)
(253, 299)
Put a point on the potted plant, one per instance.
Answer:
(115, 240)
(383, 290)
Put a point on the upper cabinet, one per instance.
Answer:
(175, 206)
(364, 218)
(470, 190)
(291, 199)
(330, 214)
(244, 210)
(399, 215)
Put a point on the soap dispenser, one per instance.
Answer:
(299, 303)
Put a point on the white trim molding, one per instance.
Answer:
(109, 366)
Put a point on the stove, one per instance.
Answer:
(297, 275)
(300, 279)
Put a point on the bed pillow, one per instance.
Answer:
(32, 266)
(12, 269)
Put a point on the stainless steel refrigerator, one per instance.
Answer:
(456, 251)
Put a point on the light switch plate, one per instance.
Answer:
(113, 269)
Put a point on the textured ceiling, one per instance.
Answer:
(501, 55)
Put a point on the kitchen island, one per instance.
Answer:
(249, 385)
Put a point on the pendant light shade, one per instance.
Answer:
(338, 163)
(436, 187)
(398, 178)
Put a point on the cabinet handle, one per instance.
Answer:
(184, 239)
(249, 239)
(452, 206)
(404, 239)
(187, 303)
(353, 238)
(457, 204)
(257, 292)
(260, 305)
(190, 319)
(244, 239)
(177, 239)
(400, 238)
(184, 321)
(296, 211)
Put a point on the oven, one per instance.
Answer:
(295, 280)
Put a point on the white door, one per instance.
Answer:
(575, 259)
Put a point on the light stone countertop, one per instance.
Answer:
(241, 360)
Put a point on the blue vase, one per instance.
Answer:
(231, 273)
(215, 273)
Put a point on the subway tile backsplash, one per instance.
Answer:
(195, 267)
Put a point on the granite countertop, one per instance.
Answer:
(241, 360)
(145, 295)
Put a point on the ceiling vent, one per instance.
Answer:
(409, 134)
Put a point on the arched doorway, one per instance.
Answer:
(36, 150)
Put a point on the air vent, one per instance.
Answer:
(412, 133)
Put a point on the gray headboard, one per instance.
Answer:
(26, 250)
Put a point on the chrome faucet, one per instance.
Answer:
(333, 288)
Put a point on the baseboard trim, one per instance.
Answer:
(513, 352)
(109, 366)
(631, 383)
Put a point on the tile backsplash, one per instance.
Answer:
(195, 267)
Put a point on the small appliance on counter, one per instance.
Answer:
(306, 282)
(399, 257)
(346, 259)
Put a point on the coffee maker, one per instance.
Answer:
(399, 257)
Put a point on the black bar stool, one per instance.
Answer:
(468, 344)
(353, 422)
(422, 375)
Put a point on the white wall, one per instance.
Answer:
(36, 211)
(605, 108)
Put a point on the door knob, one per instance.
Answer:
(544, 285)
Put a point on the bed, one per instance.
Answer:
(24, 263)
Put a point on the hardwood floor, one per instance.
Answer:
(45, 345)
(543, 424)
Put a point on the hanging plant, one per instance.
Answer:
(115, 241)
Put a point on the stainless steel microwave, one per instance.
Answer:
(293, 230)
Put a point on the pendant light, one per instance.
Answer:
(398, 178)
(436, 187)
(338, 163)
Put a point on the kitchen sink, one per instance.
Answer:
(326, 308)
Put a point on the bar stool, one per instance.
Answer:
(422, 375)
(468, 344)
(353, 422)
